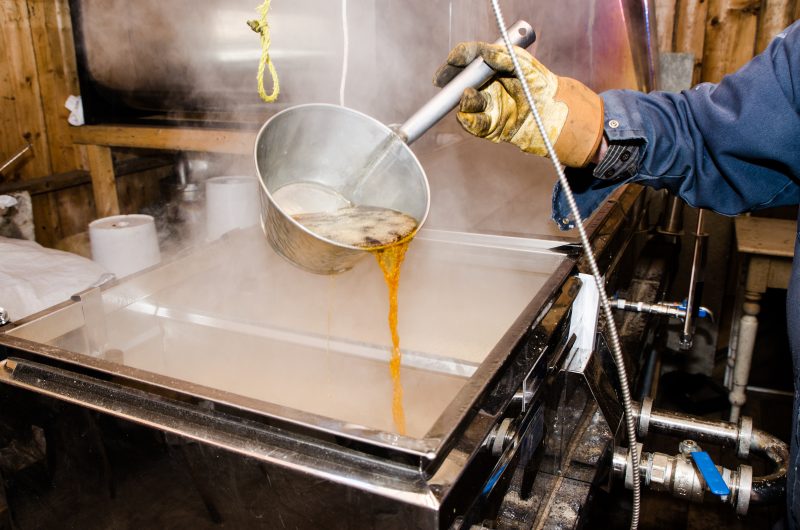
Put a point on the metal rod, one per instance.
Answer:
(474, 75)
(770, 391)
(673, 217)
(695, 284)
(14, 158)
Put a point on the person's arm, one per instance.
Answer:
(731, 147)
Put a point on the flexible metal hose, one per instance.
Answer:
(616, 348)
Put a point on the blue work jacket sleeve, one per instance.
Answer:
(730, 147)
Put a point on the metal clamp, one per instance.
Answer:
(745, 437)
(644, 416)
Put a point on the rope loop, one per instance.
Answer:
(262, 28)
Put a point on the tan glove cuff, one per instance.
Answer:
(580, 137)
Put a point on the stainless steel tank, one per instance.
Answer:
(199, 55)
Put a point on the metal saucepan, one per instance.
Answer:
(320, 157)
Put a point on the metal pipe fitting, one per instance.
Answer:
(670, 309)
(770, 488)
(741, 436)
(677, 475)
(738, 435)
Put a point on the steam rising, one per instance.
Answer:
(185, 55)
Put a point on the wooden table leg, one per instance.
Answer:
(748, 329)
(104, 186)
(756, 285)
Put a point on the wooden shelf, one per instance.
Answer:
(175, 139)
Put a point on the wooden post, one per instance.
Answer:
(775, 16)
(690, 31)
(730, 37)
(665, 24)
(104, 186)
(51, 31)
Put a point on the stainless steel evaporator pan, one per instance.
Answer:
(321, 157)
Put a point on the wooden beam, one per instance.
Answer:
(665, 24)
(55, 82)
(690, 32)
(23, 117)
(174, 139)
(48, 184)
(51, 32)
(104, 186)
(730, 37)
(775, 16)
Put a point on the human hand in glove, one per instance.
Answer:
(572, 113)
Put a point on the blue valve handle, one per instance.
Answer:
(710, 473)
(701, 312)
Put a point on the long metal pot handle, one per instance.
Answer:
(473, 76)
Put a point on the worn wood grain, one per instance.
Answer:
(665, 24)
(104, 187)
(690, 31)
(730, 37)
(51, 33)
(766, 236)
(178, 139)
(775, 15)
(27, 116)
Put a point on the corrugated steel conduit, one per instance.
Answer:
(605, 304)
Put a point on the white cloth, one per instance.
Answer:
(33, 278)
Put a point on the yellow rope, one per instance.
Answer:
(262, 27)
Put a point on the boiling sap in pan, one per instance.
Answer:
(367, 227)
(386, 234)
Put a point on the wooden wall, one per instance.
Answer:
(35, 80)
(37, 74)
(722, 34)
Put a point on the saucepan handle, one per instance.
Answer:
(474, 75)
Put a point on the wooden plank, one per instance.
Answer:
(104, 187)
(53, 82)
(19, 53)
(775, 16)
(22, 84)
(51, 33)
(690, 32)
(665, 24)
(730, 37)
(177, 139)
(766, 236)
(49, 183)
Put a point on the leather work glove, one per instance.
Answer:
(572, 113)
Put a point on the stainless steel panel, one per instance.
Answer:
(239, 324)
(200, 54)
